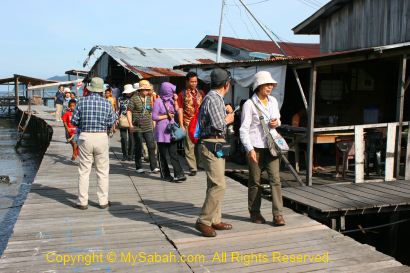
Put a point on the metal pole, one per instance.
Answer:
(218, 54)
(263, 28)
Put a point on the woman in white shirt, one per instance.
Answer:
(255, 142)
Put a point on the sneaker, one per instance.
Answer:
(140, 170)
(81, 207)
(180, 178)
(156, 170)
(192, 173)
(168, 179)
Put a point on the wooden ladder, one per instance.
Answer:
(22, 128)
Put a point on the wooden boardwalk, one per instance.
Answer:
(153, 216)
(348, 199)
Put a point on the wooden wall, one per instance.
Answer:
(366, 23)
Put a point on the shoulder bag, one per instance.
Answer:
(276, 145)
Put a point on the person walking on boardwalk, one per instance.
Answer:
(93, 115)
(140, 123)
(127, 139)
(253, 138)
(189, 101)
(58, 101)
(163, 114)
(213, 119)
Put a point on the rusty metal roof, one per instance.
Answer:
(291, 49)
(156, 62)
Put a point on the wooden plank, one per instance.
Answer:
(359, 154)
(390, 147)
(328, 202)
(394, 188)
(348, 203)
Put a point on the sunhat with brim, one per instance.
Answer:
(144, 85)
(96, 85)
(262, 77)
(128, 89)
(136, 86)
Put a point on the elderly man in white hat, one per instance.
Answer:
(127, 139)
(93, 115)
(254, 139)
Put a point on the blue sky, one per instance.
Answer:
(43, 38)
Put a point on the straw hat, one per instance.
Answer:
(144, 85)
(262, 77)
(96, 85)
(128, 88)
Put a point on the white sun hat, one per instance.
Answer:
(262, 77)
(128, 89)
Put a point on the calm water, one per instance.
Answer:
(21, 166)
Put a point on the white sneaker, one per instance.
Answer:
(140, 171)
(156, 170)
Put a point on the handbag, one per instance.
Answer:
(173, 128)
(276, 145)
(124, 121)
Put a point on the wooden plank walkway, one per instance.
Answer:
(158, 217)
(347, 199)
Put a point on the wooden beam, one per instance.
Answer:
(16, 89)
(407, 170)
(399, 110)
(311, 125)
(390, 146)
(359, 154)
(300, 88)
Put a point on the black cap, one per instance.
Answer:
(219, 76)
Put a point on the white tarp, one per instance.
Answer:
(243, 76)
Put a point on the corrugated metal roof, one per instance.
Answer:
(157, 62)
(291, 49)
(273, 60)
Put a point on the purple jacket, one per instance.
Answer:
(160, 133)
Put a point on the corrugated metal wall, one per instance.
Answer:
(366, 23)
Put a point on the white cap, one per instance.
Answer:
(136, 86)
(262, 77)
(66, 89)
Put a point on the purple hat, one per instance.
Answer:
(167, 90)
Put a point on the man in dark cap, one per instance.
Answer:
(213, 120)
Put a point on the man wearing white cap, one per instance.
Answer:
(93, 115)
(127, 139)
(252, 135)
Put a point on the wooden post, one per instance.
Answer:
(399, 111)
(16, 89)
(391, 137)
(359, 154)
(300, 88)
(407, 170)
(311, 125)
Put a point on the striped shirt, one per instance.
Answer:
(141, 113)
(93, 114)
(213, 113)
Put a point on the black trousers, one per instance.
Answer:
(127, 142)
(170, 149)
(149, 140)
